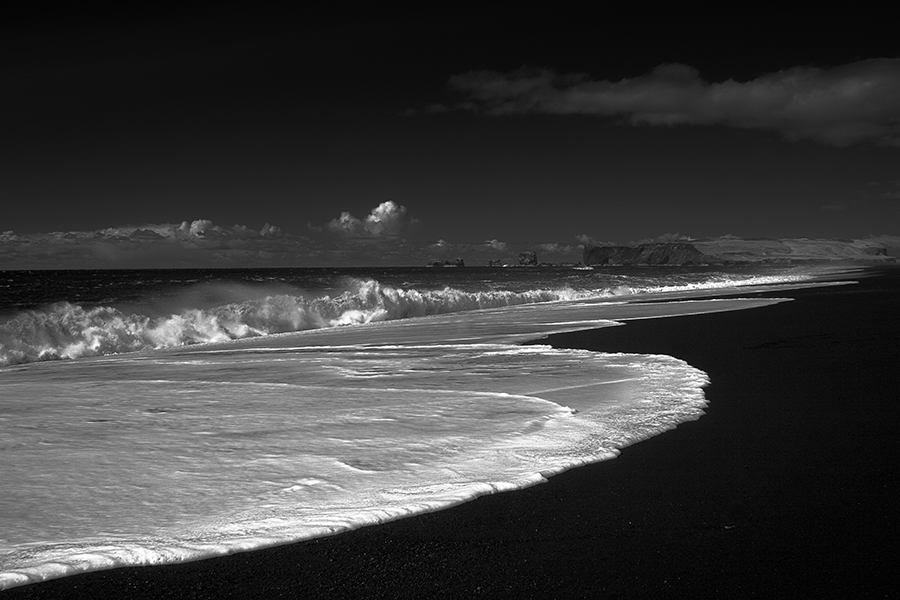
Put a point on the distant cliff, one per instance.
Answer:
(648, 254)
(734, 250)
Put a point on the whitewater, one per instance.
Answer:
(311, 403)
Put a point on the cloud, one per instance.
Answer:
(387, 220)
(441, 245)
(203, 243)
(270, 231)
(347, 225)
(556, 248)
(200, 229)
(842, 105)
(185, 244)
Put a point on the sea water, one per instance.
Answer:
(158, 416)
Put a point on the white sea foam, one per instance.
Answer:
(66, 330)
(126, 461)
(157, 457)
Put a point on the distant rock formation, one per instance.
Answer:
(446, 263)
(793, 250)
(528, 259)
(734, 250)
(648, 254)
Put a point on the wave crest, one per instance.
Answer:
(66, 331)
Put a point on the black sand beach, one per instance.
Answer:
(787, 487)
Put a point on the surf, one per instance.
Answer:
(233, 440)
(68, 330)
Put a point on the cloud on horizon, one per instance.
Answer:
(346, 240)
(202, 243)
(166, 245)
(387, 220)
(839, 106)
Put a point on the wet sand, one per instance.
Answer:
(788, 486)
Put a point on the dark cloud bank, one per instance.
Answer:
(847, 104)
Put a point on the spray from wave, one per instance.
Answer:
(66, 331)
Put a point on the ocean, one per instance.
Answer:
(159, 416)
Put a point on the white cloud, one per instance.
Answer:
(441, 245)
(496, 245)
(857, 102)
(387, 220)
(347, 225)
(199, 228)
(270, 231)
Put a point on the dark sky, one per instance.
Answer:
(245, 140)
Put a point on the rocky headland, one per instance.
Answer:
(647, 254)
(729, 250)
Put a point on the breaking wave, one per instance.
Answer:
(65, 330)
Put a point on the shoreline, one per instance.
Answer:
(785, 486)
